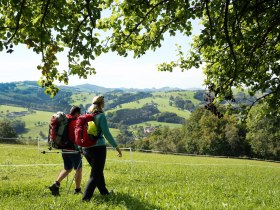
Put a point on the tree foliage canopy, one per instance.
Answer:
(7, 131)
(49, 27)
(237, 47)
(263, 132)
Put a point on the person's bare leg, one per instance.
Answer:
(54, 188)
(64, 173)
(78, 178)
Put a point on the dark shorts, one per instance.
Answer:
(72, 161)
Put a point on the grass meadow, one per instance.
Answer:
(34, 122)
(162, 101)
(82, 98)
(141, 181)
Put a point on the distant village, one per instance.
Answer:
(151, 129)
(17, 114)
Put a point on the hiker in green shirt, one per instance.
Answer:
(96, 155)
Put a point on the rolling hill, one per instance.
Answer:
(128, 111)
(27, 102)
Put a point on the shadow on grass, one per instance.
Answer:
(126, 200)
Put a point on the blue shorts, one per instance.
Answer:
(72, 161)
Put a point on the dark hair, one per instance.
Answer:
(75, 110)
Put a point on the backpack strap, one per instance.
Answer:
(98, 131)
(97, 112)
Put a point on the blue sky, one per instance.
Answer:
(112, 70)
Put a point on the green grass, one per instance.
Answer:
(149, 181)
(30, 120)
(183, 94)
(6, 109)
(115, 132)
(162, 101)
(82, 98)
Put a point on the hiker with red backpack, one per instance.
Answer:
(89, 132)
(71, 157)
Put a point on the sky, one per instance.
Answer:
(112, 70)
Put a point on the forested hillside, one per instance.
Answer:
(173, 121)
(30, 95)
(27, 103)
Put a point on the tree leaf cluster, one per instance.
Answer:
(238, 45)
(206, 134)
(49, 28)
(7, 131)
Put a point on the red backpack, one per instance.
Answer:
(58, 137)
(82, 138)
(72, 121)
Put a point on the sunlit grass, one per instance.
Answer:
(162, 101)
(82, 98)
(142, 181)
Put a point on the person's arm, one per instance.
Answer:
(107, 133)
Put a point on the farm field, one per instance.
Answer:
(162, 101)
(82, 98)
(34, 122)
(4, 109)
(141, 181)
(184, 94)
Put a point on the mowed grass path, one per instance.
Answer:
(142, 181)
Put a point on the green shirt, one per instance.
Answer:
(102, 127)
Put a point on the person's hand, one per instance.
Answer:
(119, 151)
(78, 149)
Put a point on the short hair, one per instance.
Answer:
(75, 110)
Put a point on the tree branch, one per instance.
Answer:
(45, 12)
(260, 98)
(227, 34)
(209, 18)
(75, 36)
(77, 30)
(18, 20)
(229, 42)
(163, 29)
(143, 19)
(263, 39)
(41, 24)
(89, 12)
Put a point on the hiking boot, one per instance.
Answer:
(78, 191)
(54, 189)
